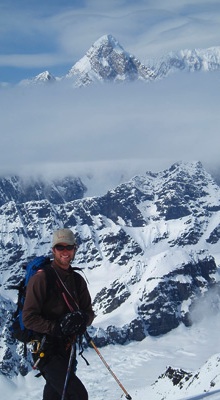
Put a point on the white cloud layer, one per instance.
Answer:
(60, 129)
(146, 126)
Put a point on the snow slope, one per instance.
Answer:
(139, 364)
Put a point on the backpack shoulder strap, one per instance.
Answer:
(51, 279)
(55, 282)
(70, 300)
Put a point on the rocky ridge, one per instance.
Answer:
(107, 61)
(149, 249)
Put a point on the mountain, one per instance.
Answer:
(176, 383)
(42, 78)
(149, 248)
(56, 191)
(107, 61)
(206, 60)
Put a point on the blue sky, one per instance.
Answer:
(52, 35)
(131, 128)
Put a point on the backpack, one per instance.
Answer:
(17, 328)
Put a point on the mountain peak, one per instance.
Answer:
(108, 40)
(106, 60)
(105, 47)
(43, 77)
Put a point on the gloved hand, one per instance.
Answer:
(74, 323)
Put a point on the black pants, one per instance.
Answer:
(54, 371)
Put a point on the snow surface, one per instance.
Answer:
(137, 366)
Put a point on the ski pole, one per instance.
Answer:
(72, 355)
(90, 341)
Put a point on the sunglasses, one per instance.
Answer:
(69, 247)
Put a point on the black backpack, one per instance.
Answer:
(17, 328)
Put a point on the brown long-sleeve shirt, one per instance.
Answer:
(44, 305)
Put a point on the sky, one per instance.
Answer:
(53, 34)
(99, 130)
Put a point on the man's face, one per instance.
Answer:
(63, 254)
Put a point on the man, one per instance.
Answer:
(59, 314)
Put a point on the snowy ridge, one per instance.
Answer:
(107, 61)
(42, 78)
(178, 382)
(189, 60)
(59, 190)
(150, 249)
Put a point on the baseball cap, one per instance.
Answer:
(63, 236)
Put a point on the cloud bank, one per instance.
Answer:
(58, 129)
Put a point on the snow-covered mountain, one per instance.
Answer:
(107, 61)
(174, 383)
(42, 78)
(189, 60)
(149, 247)
(56, 191)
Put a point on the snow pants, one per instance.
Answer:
(54, 372)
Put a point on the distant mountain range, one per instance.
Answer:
(107, 61)
(148, 247)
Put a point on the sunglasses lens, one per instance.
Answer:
(69, 247)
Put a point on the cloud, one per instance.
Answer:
(146, 29)
(153, 125)
(207, 307)
(62, 33)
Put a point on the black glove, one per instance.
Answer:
(74, 323)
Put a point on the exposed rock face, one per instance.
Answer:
(107, 61)
(148, 246)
